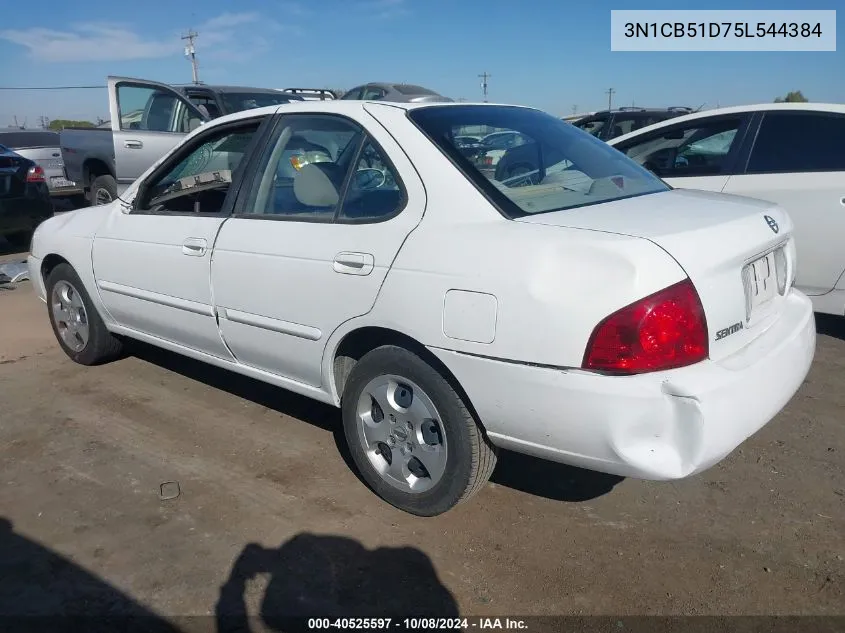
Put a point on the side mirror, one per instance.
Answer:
(674, 135)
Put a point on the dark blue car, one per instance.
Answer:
(24, 197)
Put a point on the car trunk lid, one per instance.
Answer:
(737, 251)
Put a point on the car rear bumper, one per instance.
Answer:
(663, 425)
(24, 213)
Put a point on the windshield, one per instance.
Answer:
(238, 101)
(553, 165)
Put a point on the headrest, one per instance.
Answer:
(313, 187)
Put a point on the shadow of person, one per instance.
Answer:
(43, 590)
(331, 577)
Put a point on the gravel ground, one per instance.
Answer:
(270, 517)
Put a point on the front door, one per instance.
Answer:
(311, 240)
(152, 258)
(147, 120)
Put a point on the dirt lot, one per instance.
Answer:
(270, 516)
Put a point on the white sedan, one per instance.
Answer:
(349, 252)
(788, 153)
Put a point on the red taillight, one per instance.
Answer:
(663, 331)
(35, 174)
(487, 160)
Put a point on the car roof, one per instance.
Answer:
(231, 88)
(339, 106)
(838, 108)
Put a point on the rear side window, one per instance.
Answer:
(799, 142)
(553, 167)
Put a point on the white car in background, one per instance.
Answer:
(614, 324)
(792, 154)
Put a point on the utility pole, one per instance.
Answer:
(191, 53)
(574, 109)
(484, 77)
(609, 93)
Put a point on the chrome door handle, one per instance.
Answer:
(353, 263)
(194, 246)
(133, 144)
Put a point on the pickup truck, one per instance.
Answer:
(147, 120)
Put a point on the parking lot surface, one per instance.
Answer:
(268, 516)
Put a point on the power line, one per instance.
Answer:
(49, 87)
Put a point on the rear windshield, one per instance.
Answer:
(28, 140)
(537, 163)
(239, 101)
(408, 89)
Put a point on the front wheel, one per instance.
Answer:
(76, 323)
(411, 435)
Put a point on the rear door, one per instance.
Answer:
(700, 153)
(798, 161)
(147, 119)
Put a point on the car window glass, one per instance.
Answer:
(153, 109)
(373, 93)
(200, 180)
(374, 191)
(593, 126)
(627, 123)
(698, 148)
(305, 169)
(353, 94)
(799, 142)
(554, 167)
(208, 103)
(240, 101)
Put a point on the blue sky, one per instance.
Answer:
(544, 53)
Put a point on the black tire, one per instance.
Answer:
(471, 456)
(102, 346)
(20, 239)
(106, 185)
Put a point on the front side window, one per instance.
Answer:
(698, 148)
(324, 168)
(152, 109)
(199, 180)
(556, 167)
(799, 142)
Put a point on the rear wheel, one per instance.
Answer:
(103, 190)
(76, 323)
(411, 436)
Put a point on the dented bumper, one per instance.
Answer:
(662, 425)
